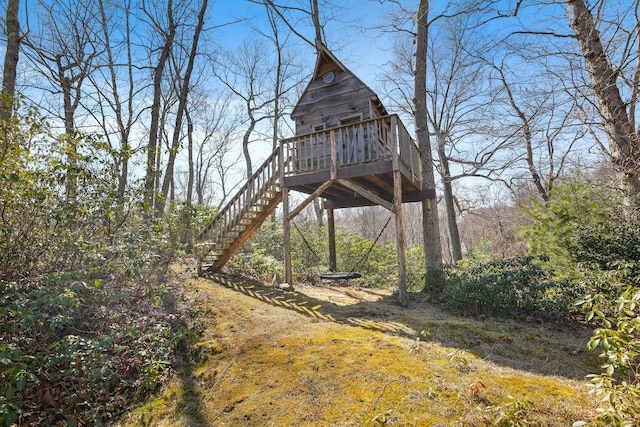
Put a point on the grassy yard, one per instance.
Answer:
(347, 356)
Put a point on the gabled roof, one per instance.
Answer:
(324, 60)
(325, 56)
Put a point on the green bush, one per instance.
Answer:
(83, 322)
(182, 221)
(617, 336)
(610, 245)
(510, 287)
(54, 337)
(263, 254)
(608, 257)
(551, 224)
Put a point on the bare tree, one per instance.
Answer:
(115, 84)
(63, 52)
(286, 75)
(456, 102)
(618, 122)
(183, 84)
(430, 223)
(9, 72)
(161, 18)
(213, 158)
(245, 72)
(544, 130)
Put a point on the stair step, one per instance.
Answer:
(240, 217)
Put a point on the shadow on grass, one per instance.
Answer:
(547, 349)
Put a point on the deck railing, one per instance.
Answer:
(359, 143)
(409, 153)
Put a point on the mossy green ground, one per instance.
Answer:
(340, 356)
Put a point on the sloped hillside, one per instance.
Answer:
(345, 356)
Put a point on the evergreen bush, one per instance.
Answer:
(83, 326)
(517, 286)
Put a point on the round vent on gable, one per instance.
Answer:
(328, 77)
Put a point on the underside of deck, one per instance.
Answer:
(376, 177)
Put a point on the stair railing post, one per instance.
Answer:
(334, 154)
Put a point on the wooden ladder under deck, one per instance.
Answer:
(241, 216)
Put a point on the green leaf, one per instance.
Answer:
(593, 343)
(21, 382)
(10, 393)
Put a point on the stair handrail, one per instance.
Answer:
(249, 184)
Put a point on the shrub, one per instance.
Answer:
(183, 220)
(618, 339)
(83, 322)
(263, 254)
(550, 224)
(519, 285)
(609, 259)
(608, 249)
(90, 346)
(514, 413)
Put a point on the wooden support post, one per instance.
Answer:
(286, 225)
(288, 270)
(402, 262)
(332, 241)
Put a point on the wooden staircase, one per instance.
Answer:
(242, 215)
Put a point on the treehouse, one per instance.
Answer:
(348, 150)
(341, 124)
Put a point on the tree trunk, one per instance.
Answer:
(10, 59)
(69, 127)
(317, 207)
(622, 137)
(190, 158)
(124, 125)
(246, 139)
(452, 224)
(182, 106)
(152, 147)
(276, 92)
(431, 232)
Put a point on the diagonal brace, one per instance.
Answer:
(367, 194)
(312, 197)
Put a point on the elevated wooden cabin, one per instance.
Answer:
(348, 150)
(337, 111)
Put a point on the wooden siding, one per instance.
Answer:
(328, 103)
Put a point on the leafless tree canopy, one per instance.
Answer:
(506, 94)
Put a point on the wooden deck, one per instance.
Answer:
(361, 164)
(355, 163)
